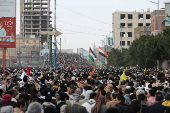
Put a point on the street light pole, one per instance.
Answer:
(158, 13)
(55, 44)
(121, 39)
(19, 51)
(158, 27)
(114, 38)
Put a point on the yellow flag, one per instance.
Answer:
(105, 61)
(145, 69)
(123, 76)
(162, 71)
(41, 76)
(126, 68)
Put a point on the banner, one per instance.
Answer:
(167, 14)
(7, 23)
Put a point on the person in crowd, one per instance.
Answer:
(100, 106)
(34, 107)
(167, 97)
(127, 96)
(6, 107)
(1, 95)
(26, 98)
(113, 102)
(61, 106)
(91, 103)
(33, 96)
(133, 108)
(13, 94)
(87, 95)
(56, 85)
(151, 98)
(50, 109)
(120, 100)
(75, 106)
(157, 107)
(144, 104)
(21, 91)
(112, 110)
(20, 107)
(48, 101)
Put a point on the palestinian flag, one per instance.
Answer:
(92, 71)
(14, 62)
(101, 52)
(92, 56)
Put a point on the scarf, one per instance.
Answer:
(100, 101)
(6, 100)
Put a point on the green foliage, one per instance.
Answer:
(144, 51)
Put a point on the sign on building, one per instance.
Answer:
(7, 23)
(109, 41)
(167, 14)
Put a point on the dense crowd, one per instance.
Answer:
(70, 89)
(73, 60)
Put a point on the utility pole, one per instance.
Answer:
(9, 57)
(19, 51)
(121, 39)
(50, 52)
(94, 47)
(55, 41)
(158, 32)
(60, 45)
(114, 38)
(56, 33)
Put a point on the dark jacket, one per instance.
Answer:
(75, 109)
(121, 107)
(156, 108)
(59, 105)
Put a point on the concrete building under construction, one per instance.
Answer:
(34, 17)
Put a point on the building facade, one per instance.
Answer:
(141, 30)
(124, 24)
(83, 53)
(154, 21)
(27, 49)
(34, 17)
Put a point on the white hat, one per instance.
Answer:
(73, 78)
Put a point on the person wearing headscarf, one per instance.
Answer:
(6, 107)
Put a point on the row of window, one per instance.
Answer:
(129, 25)
(123, 43)
(122, 34)
(130, 16)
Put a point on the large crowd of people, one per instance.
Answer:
(70, 89)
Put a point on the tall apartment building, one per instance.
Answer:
(124, 24)
(34, 17)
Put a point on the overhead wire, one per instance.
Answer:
(80, 32)
(81, 26)
(83, 15)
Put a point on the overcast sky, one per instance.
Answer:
(84, 22)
